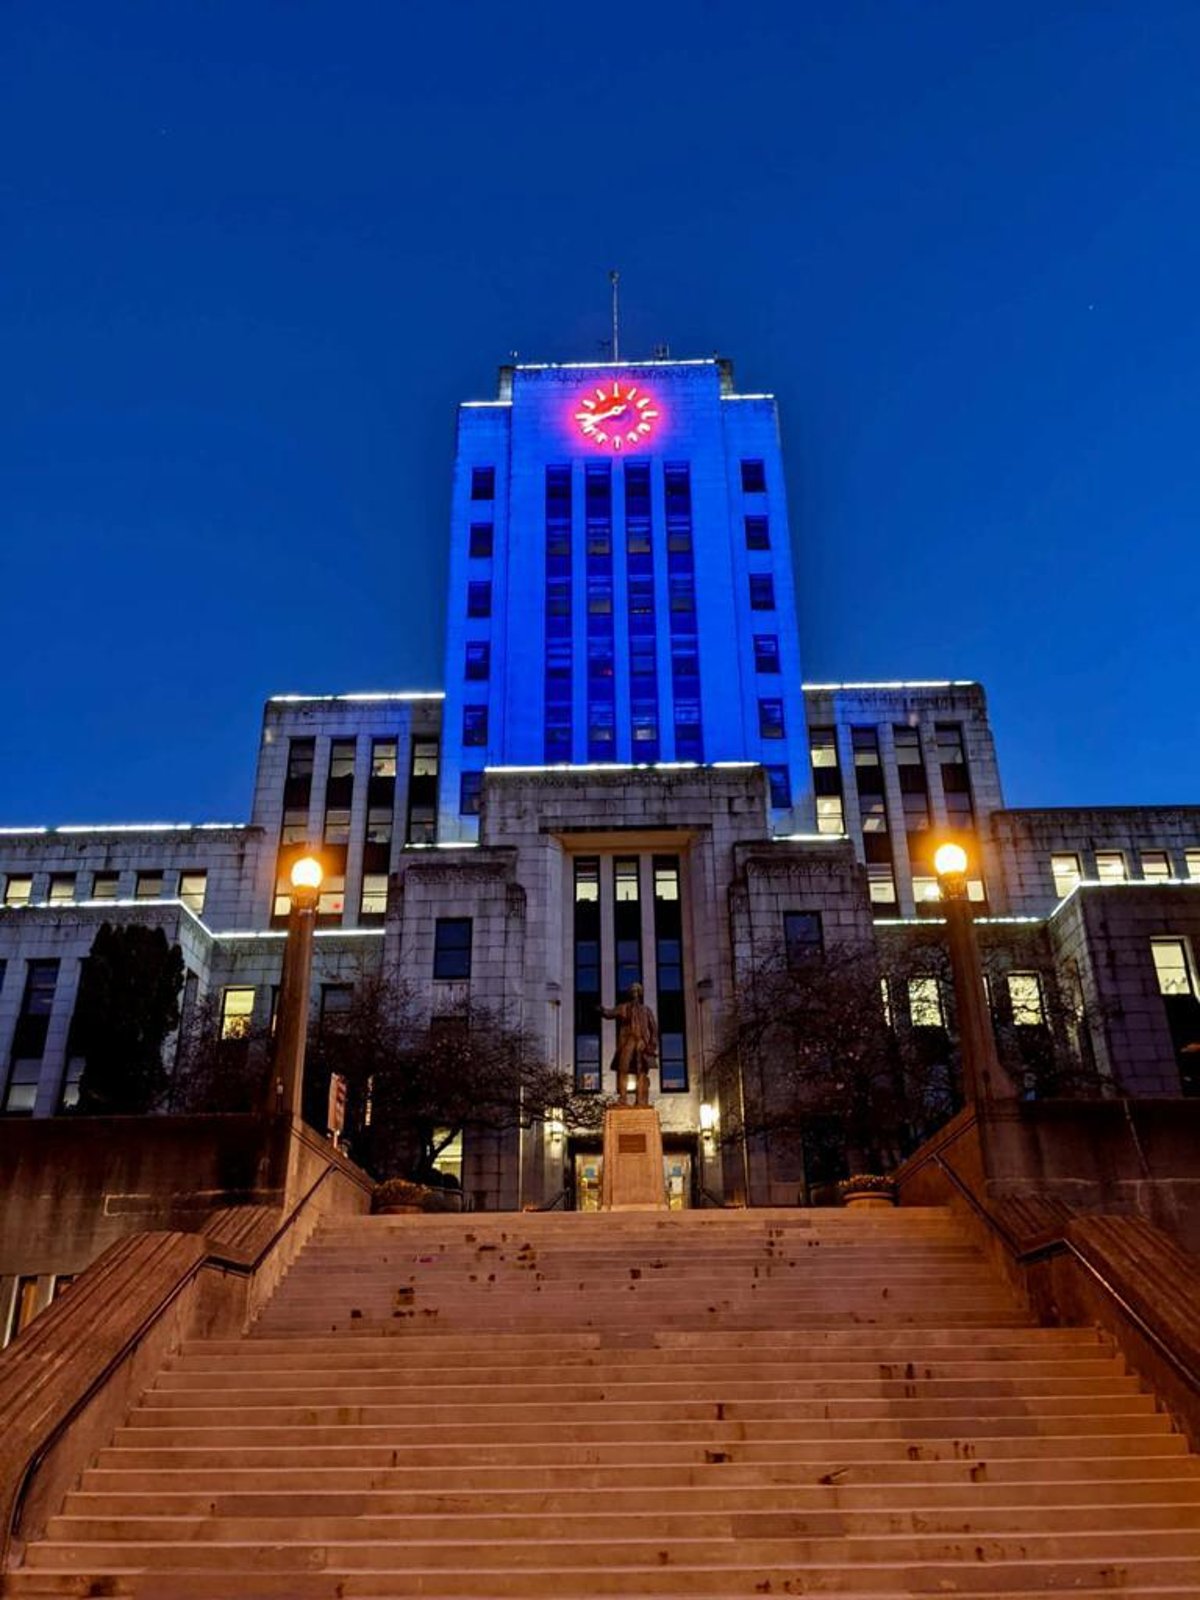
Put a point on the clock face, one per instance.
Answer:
(617, 415)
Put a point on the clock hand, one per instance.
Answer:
(601, 416)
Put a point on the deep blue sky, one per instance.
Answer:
(252, 254)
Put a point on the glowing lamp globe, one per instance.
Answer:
(950, 861)
(306, 873)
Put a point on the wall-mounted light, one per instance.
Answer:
(708, 1119)
(555, 1126)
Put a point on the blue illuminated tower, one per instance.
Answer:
(620, 582)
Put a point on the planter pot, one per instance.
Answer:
(869, 1200)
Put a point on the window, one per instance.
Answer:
(29, 1036)
(1110, 866)
(1156, 864)
(331, 902)
(25, 1306)
(668, 947)
(470, 793)
(479, 661)
(425, 759)
(1065, 868)
(341, 759)
(383, 758)
(925, 1003)
(62, 888)
(754, 478)
(802, 936)
(337, 999)
(925, 891)
(762, 591)
(780, 780)
(18, 891)
(766, 653)
(1173, 967)
(149, 886)
(481, 540)
(237, 1011)
(1025, 998)
(827, 780)
(758, 533)
(479, 599)
(627, 925)
(105, 885)
(475, 726)
(337, 825)
(483, 483)
(587, 974)
(770, 719)
(193, 886)
(1192, 862)
(830, 814)
(374, 895)
(626, 880)
(956, 783)
(881, 884)
(452, 948)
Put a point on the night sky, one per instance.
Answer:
(252, 254)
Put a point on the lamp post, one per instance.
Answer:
(981, 1065)
(291, 1022)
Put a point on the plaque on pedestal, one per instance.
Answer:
(633, 1160)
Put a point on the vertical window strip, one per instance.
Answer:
(557, 727)
(685, 643)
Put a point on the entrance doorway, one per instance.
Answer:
(589, 1172)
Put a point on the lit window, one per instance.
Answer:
(475, 726)
(105, 885)
(481, 540)
(62, 888)
(976, 890)
(666, 881)
(282, 904)
(762, 591)
(374, 894)
(149, 886)
(337, 825)
(925, 1003)
(331, 902)
(823, 747)
(754, 477)
(881, 885)
(1156, 864)
(925, 890)
(626, 878)
(1173, 966)
(780, 780)
(425, 759)
(758, 533)
(470, 793)
(587, 879)
(1192, 862)
(479, 661)
(1110, 866)
(383, 758)
(766, 653)
(1025, 997)
(479, 599)
(483, 483)
(341, 758)
(1067, 875)
(452, 948)
(237, 1008)
(885, 995)
(193, 886)
(830, 816)
(770, 719)
(295, 825)
(18, 891)
(379, 825)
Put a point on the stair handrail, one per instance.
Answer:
(212, 1258)
(1060, 1245)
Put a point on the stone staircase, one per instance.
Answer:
(706, 1403)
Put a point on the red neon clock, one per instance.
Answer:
(617, 414)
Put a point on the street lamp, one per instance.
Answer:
(981, 1065)
(291, 1022)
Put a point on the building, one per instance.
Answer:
(624, 778)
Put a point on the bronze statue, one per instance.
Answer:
(637, 1044)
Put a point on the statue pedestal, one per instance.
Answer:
(633, 1160)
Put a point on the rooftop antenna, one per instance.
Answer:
(614, 278)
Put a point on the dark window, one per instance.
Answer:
(587, 974)
(481, 540)
(479, 599)
(483, 483)
(452, 948)
(762, 591)
(29, 1036)
(479, 661)
(475, 725)
(770, 719)
(668, 951)
(758, 533)
(470, 792)
(336, 1001)
(780, 780)
(754, 477)
(956, 783)
(421, 823)
(766, 653)
(802, 936)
